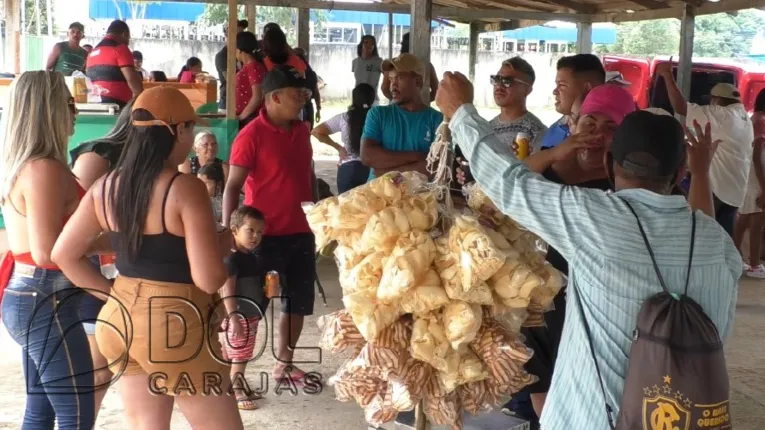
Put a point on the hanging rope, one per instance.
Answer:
(439, 164)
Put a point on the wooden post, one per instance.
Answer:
(251, 12)
(419, 39)
(685, 62)
(12, 48)
(304, 30)
(473, 50)
(231, 61)
(584, 38)
(390, 35)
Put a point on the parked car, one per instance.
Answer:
(650, 90)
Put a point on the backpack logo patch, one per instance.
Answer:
(665, 409)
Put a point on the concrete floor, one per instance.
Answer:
(745, 354)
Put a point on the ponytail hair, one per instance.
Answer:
(363, 97)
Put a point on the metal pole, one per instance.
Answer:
(37, 17)
(390, 35)
(231, 61)
(473, 50)
(49, 14)
(584, 38)
(685, 62)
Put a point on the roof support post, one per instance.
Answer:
(685, 64)
(231, 60)
(473, 50)
(584, 38)
(251, 12)
(419, 39)
(12, 48)
(390, 35)
(304, 29)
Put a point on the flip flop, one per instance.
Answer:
(296, 378)
(246, 404)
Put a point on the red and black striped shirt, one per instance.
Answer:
(104, 69)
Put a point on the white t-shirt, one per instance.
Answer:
(729, 171)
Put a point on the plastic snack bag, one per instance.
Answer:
(479, 258)
(339, 332)
(429, 342)
(410, 260)
(394, 186)
(515, 282)
(354, 209)
(427, 296)
(370, 316)
(364, 276)
(461, 322)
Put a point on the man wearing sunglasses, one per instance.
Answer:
(512, 85)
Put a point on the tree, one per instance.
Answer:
(719, 35)
(30, 24)
(137, 8)
(217, 14)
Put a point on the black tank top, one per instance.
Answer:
(195, 166)
(162, 257)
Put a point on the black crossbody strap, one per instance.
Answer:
(690, 254)
(609, 409)
(648, 246)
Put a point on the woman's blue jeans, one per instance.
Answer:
(40, 311)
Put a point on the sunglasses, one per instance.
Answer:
(506, 81)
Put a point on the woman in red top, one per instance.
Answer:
(249, 97)
(40, 306)
(190, 71)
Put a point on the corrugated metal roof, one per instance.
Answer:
(166, 11)
(540, 32)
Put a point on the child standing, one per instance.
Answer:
(249, 302)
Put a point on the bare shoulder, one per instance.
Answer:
(188, 188)
(45, 171)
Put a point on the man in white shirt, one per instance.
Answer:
(731, 125)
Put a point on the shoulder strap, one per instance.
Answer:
(648, 246)
(103, 200)
(164, 199)
(690, 254)
(609, 409)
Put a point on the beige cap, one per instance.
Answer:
(405, 63)
(726, 91)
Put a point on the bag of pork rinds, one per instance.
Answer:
(338, 332)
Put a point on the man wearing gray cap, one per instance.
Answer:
(731, 125)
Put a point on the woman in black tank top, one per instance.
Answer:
(161, 225)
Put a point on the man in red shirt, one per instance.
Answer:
(111, 66)
(271, 158)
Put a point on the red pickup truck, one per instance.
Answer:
(650, 90)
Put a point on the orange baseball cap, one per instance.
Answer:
(168, 105)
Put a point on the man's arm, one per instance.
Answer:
(375, 156)
(133, 80)
(53, 57)
(676, 99)
(553, 212)
(418, 166)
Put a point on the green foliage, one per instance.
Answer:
(719, 35)
(217, 14)
(30, 24)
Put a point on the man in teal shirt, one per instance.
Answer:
(397, 137)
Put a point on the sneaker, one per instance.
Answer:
(746, 267)
(756, 272)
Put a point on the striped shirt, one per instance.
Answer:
(609, 266)
(104, 69)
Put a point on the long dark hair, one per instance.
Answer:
(191, 62)
(247, 42)
(759, 102)
(362, 98)
(360, 47)
(275, 45)
(141, 162)
(405, 43)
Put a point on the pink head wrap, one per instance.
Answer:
(610, 100)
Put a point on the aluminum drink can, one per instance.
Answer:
(522, 141)
(272, 284)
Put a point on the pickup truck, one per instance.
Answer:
(650, 91)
